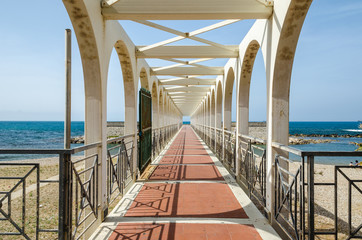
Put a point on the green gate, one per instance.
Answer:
(145, 128)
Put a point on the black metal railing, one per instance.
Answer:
(219, 143)
(252, 169)
(119, 166)
(293, 200)
(229, 151)
(298, 210)
(75, 204)
(161, 136)
(19, 184)
(76, 208)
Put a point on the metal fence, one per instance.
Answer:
(75, 202)
(229, 151)
(252, 169)
(119, 166)
(300, 209)
(161, 136)
(297, 212)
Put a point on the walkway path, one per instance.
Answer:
(189, 195)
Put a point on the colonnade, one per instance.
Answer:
(277, 39)
(275, 33)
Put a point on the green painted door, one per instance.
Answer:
(145, 128)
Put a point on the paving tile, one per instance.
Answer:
(199, 200)
(186, 160)
(186, 172)
(181, 146)
(203, 200)
(186, 152)
(181, 231)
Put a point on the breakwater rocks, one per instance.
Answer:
(77, 140)
(302, 141)
(80, 139)
(328, 135)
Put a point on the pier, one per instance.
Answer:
(165, 180)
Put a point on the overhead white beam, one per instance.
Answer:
(182, 71)
(182, 35)
(189, 81)
(187, 94)
(186, 97)
(188, 52)
(189, 89)
(184, 10)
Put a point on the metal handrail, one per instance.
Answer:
(251, 138)
(111, 140)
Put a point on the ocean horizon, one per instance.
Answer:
(50, 135)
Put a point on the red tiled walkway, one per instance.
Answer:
(187, 231)
(199, 193)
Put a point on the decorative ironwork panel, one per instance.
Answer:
(14, 213)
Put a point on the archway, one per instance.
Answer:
(155, 116)
(244, 86)
(228, 93)
(115, 98)
(219, 103)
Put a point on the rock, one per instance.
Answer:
(328, 135)
(302, 141)
(77, 140)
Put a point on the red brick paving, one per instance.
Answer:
(186, 200)
(186, 152)
(186, 160)
(187, 147)
(183, 172)
(184, 231)
(199, 200)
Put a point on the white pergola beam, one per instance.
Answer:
(182, 71)
(188, 100)
(188, 52)
(182, 35)
(189, 81)
(188, 94)
(187, 97)
(184, 10)
(189, 89)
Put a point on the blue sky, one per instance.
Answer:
(326, 79)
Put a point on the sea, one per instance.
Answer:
(50, 135)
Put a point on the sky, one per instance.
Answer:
(326, 79)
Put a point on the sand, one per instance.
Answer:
(324, 197)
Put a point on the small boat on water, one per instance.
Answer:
(360, 125)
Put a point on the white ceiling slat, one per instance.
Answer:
(189, 81)
(161, 27)
(213, 26)
(182, 35)
(184, 10)
(190, 89)
(177, 71)
(187, 94)
(209, 42)
(159, 44)
(188, 52)
(168, 67)
(181, 63)
(185, 88)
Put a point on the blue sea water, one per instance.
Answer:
(34, 135)
(49, 135)
(340, 128)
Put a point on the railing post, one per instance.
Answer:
(310, 176)
(65, 197)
